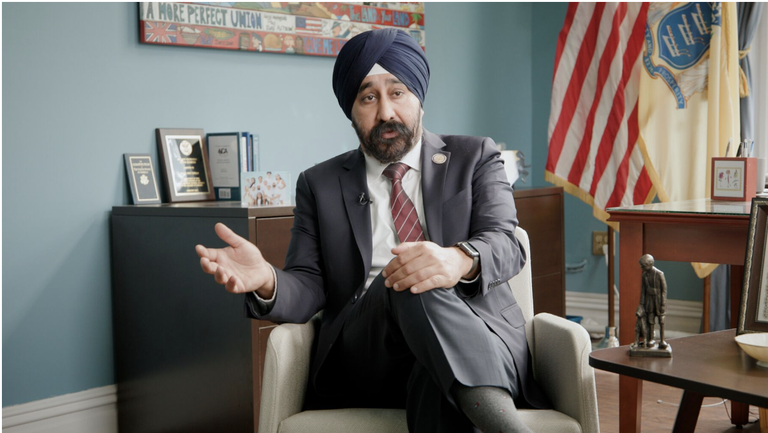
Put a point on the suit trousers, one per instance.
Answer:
(400, 350)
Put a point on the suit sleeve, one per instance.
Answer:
(301, 287)
(493, 224)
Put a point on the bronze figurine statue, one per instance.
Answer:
(653, 307)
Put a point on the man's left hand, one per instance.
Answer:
(423, 266)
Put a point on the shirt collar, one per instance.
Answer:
(374, 168)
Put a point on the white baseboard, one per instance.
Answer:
(90, 411)
(683, 317)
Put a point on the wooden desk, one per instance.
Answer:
(186, 358)
(688, 231)
(703, 365)
(540, 213)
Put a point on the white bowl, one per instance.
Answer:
(756, 346)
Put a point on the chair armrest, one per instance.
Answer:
(561, 364)
(286, 372)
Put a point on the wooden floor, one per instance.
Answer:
(660, 417)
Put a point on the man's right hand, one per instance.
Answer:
(240, 267)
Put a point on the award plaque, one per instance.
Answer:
(226, 156)
(184, 158)
(141, 178)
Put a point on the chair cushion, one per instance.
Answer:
(393, 421)
(346, 421)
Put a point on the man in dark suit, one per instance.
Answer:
(407, 244)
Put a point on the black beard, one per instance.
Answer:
(386, 150)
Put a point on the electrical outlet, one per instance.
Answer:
(598, 240)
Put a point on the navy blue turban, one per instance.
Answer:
(393, 49)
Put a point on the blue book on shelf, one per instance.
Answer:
(248, 151)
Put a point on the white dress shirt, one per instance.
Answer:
(382, 224)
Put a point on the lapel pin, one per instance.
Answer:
(439, 158)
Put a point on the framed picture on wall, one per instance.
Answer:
(184, 159)
(297, 28)
(753, 311)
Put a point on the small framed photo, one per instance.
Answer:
(265, 188)
(753, 311)
(733, 179)
(141, 177)
(184, 158)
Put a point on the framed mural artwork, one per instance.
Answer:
(733, 179)
(184, 159)
(306, 28)
(753, 311)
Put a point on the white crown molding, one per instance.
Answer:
(90, 411)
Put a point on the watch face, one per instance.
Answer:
(468, 249)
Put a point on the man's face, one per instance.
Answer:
(646, 265)
(386, 117)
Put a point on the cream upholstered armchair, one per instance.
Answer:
(559, 348)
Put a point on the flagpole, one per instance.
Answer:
(610, 339)
(611, 313)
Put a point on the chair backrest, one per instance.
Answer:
(522, 283)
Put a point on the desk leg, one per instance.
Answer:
(630, 404)
(688, 412)
(739, 413)
(737, 277)
(630, 251)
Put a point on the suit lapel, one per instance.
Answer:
(432, 183)
(353, 183)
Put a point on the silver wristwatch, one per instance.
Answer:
(470, 251)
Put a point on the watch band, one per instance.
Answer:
(471, 252)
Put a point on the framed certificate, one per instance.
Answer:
(141, 177)
(226, 154)
(184, 158)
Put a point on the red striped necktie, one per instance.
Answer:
(403, 211)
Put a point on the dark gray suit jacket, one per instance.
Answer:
(467, 198)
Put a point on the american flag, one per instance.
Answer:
(159, 32)
(309, 25)
(593, 129)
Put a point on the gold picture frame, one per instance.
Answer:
(184, 158)
(753, 310)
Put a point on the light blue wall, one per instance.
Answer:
(480, 58)
(80, 91)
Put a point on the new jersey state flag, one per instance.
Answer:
(689, 97)
(593, 128)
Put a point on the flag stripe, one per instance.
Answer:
(606, 59)
(569, 48)
(584, 59)
(593, 126)
(623, 172)
(642, 187)
(564, 33)
(630, 64)
(576, 129)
